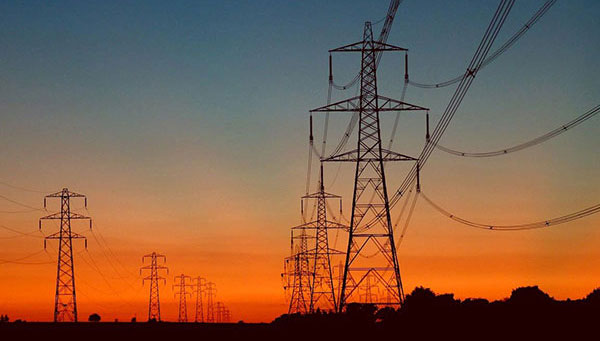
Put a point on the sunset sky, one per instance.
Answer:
(186, 125)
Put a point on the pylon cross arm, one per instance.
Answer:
(71, 215)
(352, 156)
(384, 104)
(73, 235)
(371, 46)
(61, 193)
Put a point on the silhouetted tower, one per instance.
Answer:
(226, 315)
(211, 292)
(368, 288)
(220, 308)
(65, 302)
(322, 290)
(371, 251)
(297, 269)
(199, 283)
(182, 282)
(338, 270)
(154, 278)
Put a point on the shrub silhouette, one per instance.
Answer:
(94, 318)
(530, 296)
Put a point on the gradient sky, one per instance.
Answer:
(186, 125)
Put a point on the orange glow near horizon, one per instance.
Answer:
(246, 267)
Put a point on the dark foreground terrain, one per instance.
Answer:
(528, 314)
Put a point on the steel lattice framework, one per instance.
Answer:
(220, 312)
(322, 289)
(199, 284)
(65, 302)
(211, 293)
(370, 226)
(182, 282)
(297, 273)
(154, 278)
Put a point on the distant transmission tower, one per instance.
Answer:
(226, 315)
(371, 249)
(199, 283)
(220, 311)
(322, 289)
(65, 303)
(297, 272)
(182, 282)
(211, 292)
(154, 277)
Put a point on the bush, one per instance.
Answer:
(94, 318)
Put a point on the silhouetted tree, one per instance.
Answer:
(594, 297)
(94, 318)
(361, 313)
(529, 296)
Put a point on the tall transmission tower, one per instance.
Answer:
(322, 289)
(154, 278)
(211, 292)
(65, 302)
(199, 283)
(182, 282)
(371, 251)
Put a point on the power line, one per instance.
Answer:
(20, 260)
(21, 188)
(20, 204)
(104, 244)
(21, 234)
(527, 226)
(545, 7)
(21, 211)
(543, 138)
(480, 54)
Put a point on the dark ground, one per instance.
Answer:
(528, 314)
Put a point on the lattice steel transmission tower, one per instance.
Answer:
(220, 310)
(154, 278)
(211, 292)
(297, 273)
(182, 282)
(199, 284)
(371, 251)
(226, 315)
(65, 302)
(322, 289)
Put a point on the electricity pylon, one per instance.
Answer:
(219, 312)
(322, 290)
(199, 283)
(371, 251)
(226, 315)
(65, 302)
(211, 292)
(154, 278)
(297, 272)
(182, 282)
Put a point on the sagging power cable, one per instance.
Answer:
(534, 19)
(543, 138)
(528, 226)
(480, 54)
